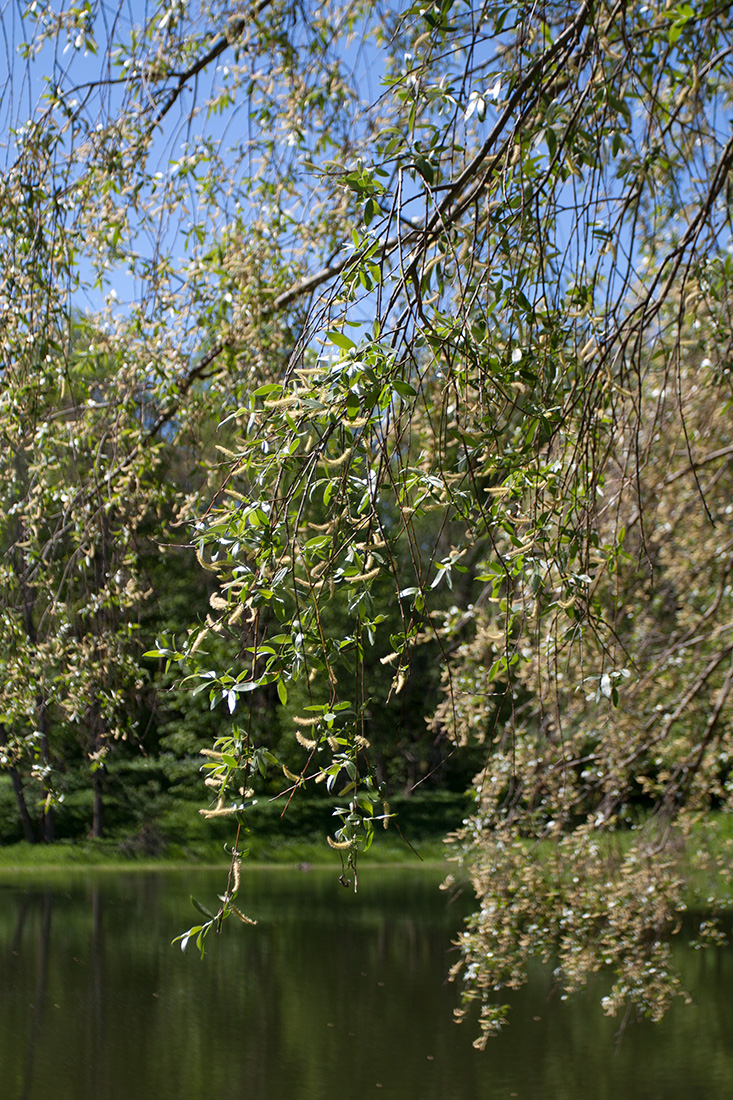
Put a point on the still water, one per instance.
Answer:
(330, 997)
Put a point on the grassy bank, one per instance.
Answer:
(182, 838)
(174, 832)
(113, 853)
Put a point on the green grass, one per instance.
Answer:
(110, 853)
(176, 834)
(203, 847)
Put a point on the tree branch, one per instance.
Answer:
(235, 31)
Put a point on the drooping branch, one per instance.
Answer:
(234, 32)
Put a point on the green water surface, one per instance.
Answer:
(330, 997)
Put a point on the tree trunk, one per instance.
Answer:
(25, 818)
(97, 724)
(48, 831)
(98, 805)
(47, 821)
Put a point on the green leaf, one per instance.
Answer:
(267, 389)
(202, 909)
(425, 169)
(186, 938)
(340, 340)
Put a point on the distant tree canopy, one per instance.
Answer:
(456, 280)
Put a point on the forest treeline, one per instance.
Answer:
(98, 563)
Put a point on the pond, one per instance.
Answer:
(330, 996)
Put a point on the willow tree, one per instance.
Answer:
(457, 278)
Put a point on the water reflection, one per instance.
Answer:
(329, 996)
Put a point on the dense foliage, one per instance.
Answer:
(455, 281)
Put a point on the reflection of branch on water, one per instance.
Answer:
(96, 994)
(15, 943)
(38, 1007)
(29, 951)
